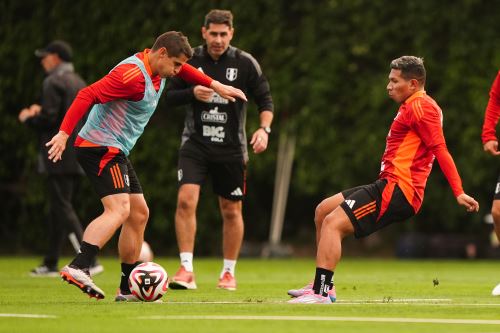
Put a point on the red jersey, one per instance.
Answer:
(414, 140)
(492, 113)
(123, 82)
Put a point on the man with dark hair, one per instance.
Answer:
(214, 143)
(60, 87)
(414, 140)
(121, 104)
(490, 145)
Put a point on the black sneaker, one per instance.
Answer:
(44, 271)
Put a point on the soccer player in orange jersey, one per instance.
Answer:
(415, 139)
(490, 145)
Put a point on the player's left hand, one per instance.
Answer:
(259, 141)
(468, 202)
(228, 92)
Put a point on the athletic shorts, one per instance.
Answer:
(375, 206)
(497, 190)
(227, 173)
(109, 170)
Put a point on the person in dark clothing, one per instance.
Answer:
(59, 89)
(214, 143)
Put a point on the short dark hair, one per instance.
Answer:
(219, 16)
(411, 67)
(175, 43)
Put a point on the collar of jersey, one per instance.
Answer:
(420, 93)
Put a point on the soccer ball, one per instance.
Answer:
(146, 253)
(148, 282)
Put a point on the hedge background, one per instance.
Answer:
(327, 62)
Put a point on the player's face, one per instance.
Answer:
(398, 88)
(170, 66)
(217, 37)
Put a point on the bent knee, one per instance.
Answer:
(120, 210)
(186, 202)
(231, 211)
(338, 221)
(140, 215)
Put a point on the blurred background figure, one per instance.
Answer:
(59, 88)
(490, 145)
(214, 143)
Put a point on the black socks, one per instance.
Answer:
(86, 256)
(126, 270)
(323, 281)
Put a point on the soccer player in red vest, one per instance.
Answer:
(490, 145)
(415, 139)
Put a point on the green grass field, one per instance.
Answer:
(373, 296)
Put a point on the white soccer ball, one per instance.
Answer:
(146, 253)
(148, 281)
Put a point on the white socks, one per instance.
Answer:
(187, 260)
(229, 266)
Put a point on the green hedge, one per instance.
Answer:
(327, 62)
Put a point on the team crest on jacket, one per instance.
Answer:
(231, 74)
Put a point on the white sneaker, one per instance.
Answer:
(496, 290)
(81, 279)
(44, 271)
(96, 269)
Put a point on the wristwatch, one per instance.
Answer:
(266, 129)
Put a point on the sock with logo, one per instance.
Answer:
(126, 270)
(187, 260)
(322, 281)
(229, 266)
(85, 256)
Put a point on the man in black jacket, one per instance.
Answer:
(59, 88)
(214, 142)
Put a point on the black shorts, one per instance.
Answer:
(227, 172)
(375, 206)
(109, 170)
(496, 196)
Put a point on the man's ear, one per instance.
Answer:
(163, 51)
(414, 85)
(203, 32)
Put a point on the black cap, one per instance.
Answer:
(59, 47)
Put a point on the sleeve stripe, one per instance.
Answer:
(130, 70)
(131, 76)
(417, 107)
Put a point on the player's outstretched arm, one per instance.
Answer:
(227, 92)
(468, 202)
(57, 146)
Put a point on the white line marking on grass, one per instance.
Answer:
(397, 300)
(416, 302)
(26, 315)
(312, 318)
(419, 303)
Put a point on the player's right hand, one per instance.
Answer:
(57, 146)
(468, 202)
(491, 147)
